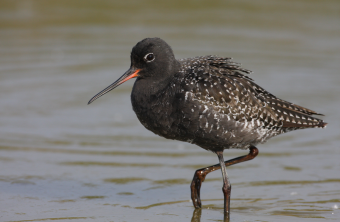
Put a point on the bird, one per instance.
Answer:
(209, 101)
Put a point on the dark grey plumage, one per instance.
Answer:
(210, 102)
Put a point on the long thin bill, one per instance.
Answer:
(131, 73)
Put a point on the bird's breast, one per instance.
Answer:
(154, 109)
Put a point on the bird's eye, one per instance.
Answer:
(149, 57)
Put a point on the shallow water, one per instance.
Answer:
(63, 160)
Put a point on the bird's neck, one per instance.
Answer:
(149, 87)
(158, 83)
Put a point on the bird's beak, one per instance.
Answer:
(131, 73)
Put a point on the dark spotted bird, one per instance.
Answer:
(208, 101)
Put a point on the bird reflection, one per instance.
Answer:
(196, 216)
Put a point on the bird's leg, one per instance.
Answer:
(226, 185)
(200, 174)
(196, 183)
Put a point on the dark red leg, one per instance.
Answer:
(200, 175)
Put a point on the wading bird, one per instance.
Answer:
(208, 101)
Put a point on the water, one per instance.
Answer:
(63, 160)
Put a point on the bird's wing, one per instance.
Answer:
(224, 85)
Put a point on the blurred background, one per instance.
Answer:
(61, 159)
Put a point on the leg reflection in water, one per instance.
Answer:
(196, 216)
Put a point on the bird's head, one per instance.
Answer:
(151, 58)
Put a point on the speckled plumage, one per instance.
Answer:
(208, 101)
